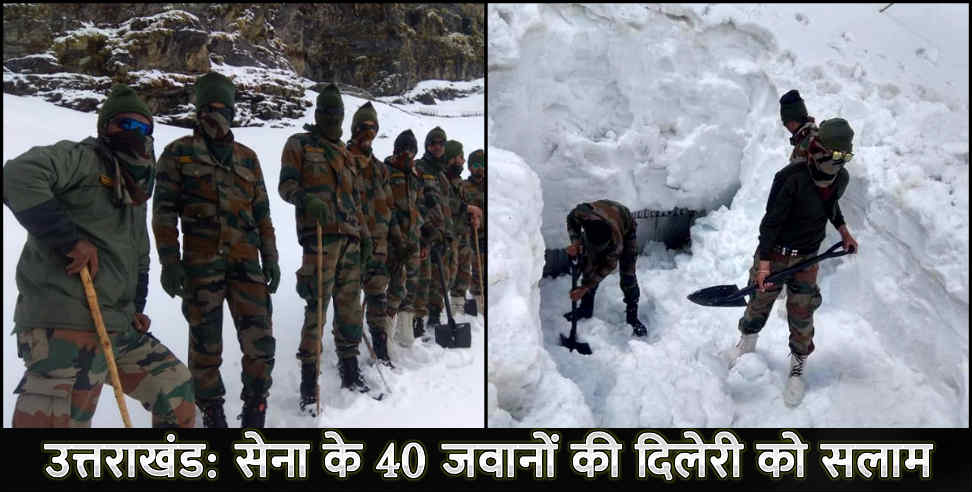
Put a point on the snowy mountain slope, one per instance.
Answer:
(662, 106)
(432, 387)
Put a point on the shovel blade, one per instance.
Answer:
(718, 296)
(572, 344)
(457, 336)
(470, 307)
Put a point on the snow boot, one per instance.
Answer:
(254, 414)
(458, 304)
(745, 345)
(380, 341)
(308, 390)
(632, 318)
(434, 319)
(586, 308)
(213, 417)
(418, 327)
(351, 376)
(404, 332)
(795, 387)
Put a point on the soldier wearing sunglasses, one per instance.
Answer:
(214, 186)
(84, 205)
(804, 197)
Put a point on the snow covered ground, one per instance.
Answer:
(661, 106)
(432, 386)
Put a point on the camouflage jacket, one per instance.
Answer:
(476, 194)
(601, 262)
(224, 208)
(406, 221)
(62, 193)
(376, 194)
(435, 204)
(314, 166)
(460, 215)
(801, 141)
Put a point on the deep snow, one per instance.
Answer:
(661, 106)
(432, 386)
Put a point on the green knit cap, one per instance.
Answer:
(330, 97)
(453, 148)
(121, 99)
(215, 87)
(434, 134)
(477, 158)
(365, 113)
(836, 134)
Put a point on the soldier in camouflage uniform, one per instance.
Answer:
(215, 187)
(437, 228)
(404, 253)
(803, 198)
(376, 194)
(475, 189)
(604, 232)
(319, 177)
(463, 222)
(83, 204)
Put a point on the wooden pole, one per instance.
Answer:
(89, 292)
(479, 263)
(320, 316)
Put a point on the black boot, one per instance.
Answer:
(213, 417)
(586, 308)
(380, 340)
(308, 390)
(632, 312)
(417, 327)
(434, 317)
(351, 376)
(254, 413)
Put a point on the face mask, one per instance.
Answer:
(135, 166)
(215, 122)
(329, 122)
(821, 178)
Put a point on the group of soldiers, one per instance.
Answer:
(803, 198)
(363, 224)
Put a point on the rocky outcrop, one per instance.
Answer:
(70, 53)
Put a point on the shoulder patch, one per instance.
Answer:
(428, 176)
(105, 180)
(185, 159)
(398, 175)
(309, 148)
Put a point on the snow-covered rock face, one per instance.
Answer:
(628, 103)
(662, 106)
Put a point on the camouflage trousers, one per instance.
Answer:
(342, 283)
(802, 299)
(66, 370)
(429, 295)
(374, 284)
(629, 281)
(463, 273)
(241, 284)
(403, 282)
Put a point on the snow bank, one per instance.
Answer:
(523, 382)
(662, 106)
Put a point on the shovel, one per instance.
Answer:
(731, 296)
(451, 335)
(571, 342)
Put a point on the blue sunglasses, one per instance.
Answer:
(130, 124)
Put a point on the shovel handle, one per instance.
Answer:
(92, 296)
(783, 274)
